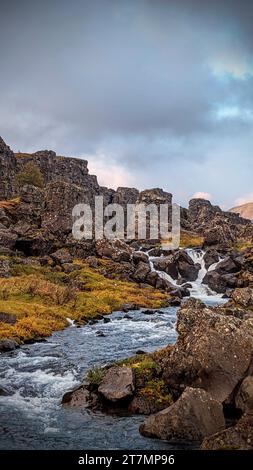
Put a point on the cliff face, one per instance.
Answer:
(8, 168)
(56, 168)
(48, 211)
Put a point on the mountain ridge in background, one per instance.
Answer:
(245, 210)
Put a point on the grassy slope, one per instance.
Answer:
(41, 299)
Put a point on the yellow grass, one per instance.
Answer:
(42, 299)
(10, 203)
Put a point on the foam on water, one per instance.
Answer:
(36, 377)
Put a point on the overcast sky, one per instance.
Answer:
(152, 93)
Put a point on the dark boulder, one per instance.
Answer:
(140, 256)
(210, 257)
(244, 396)
(213, 350)
(227, 266)
(215, 281)
(7, 345)
(62, 256)
(117, 384)
(168, 265)
(238, 437)
(115, 249)
(192, 417)
(141, 272)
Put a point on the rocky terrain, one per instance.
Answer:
(199, 389)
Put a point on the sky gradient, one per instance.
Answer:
(152, 93)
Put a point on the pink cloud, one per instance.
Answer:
(109, 174)
(202, 195)
(244, 199)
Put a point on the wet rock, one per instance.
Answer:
(140, 351)
(80, 397)
(244, 397)
(213, 350)
(175, 302)
(238, 437)
(148, 312)
(186, 267)
(8, 345)
(164, 284)
(195, 415)
(107, 320)
(168, 265)
(152, 278)
(127, 317)
(215, 281)
(4, 392)
(117, 384)
(210, 257)
(130, 306)
(185, 291)
(100, 333)
(227, 266)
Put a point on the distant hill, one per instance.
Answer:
(245, 210)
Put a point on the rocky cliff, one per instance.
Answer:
(42, 214)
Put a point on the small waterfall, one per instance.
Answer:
(162, 274)
(198, 290)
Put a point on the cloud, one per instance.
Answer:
(244, 199)
(202, 195)
(155, 93)
(109, 174)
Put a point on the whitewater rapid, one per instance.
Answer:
(198, 289)
(36, 377)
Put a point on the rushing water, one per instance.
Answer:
(36, 377)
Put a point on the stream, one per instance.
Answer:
(36, 377)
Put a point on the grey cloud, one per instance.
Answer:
(133, 79)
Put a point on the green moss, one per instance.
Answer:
(30, 174)
(157, 392)
(96, 375)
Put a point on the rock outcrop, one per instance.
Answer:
(238, 437)
(213, 350)
(117, 384)
(192, 417)
(8, 170)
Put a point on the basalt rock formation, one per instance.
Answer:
(68, 182)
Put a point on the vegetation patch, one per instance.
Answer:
(10, 203)
(42, 298)
(30, 174)
(152, 394)
(190, 240)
